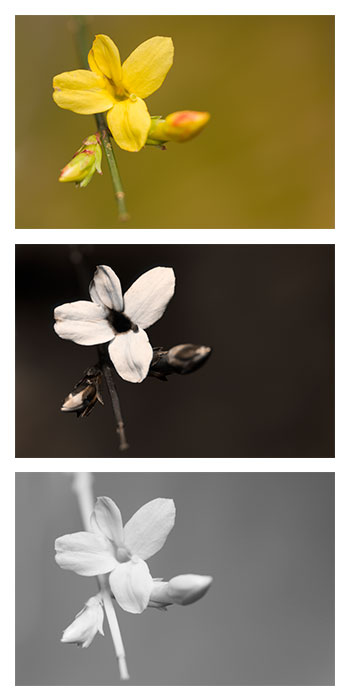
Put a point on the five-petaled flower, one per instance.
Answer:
(119, 320)
(117, 89)
(120, 551)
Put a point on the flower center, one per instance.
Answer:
(123, 555)
(121, 323)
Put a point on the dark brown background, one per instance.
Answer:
(267, 390)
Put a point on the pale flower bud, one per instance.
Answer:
(87, 623)
(181, 590)
(84, 163)
(178, 126)
(85, 394)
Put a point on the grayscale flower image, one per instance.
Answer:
(235, 587)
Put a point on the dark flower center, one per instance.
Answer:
(121, 323)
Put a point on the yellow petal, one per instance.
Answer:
(84, 101)
(81, 91)
(92, 63)
(105, 55)
(78, 80)
(147, 66)
(129, 122)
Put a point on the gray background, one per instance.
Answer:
(268, 540)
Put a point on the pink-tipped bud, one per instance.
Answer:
(84, 163)
(87, 623)
(178, 126)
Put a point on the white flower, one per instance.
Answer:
(87, 623)
(120, 551)
(182, 590)
(119, 320)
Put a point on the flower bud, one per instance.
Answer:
(181, 359)
(178, 126)
(86, 624)
(84, 163)
(181, 590)
(85, 394)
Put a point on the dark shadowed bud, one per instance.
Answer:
(86, 624)
(180, 590)
(85, 394)
(84, 163)
(181, 359)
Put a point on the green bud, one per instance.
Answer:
(84, 163)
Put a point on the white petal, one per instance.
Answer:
(109, 520)
(105, 288)
(131, 355)
(83, 322)
(147, 530)
(85, 553)
(131, 584)
(147, 298)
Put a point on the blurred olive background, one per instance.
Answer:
(266, 391)
(268, 619)
(265, 160)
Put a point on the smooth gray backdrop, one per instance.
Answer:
(268, 540)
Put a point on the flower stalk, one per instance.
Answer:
(109, 375)
(82, 486)
(80, 31)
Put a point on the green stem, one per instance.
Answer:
(80, 30)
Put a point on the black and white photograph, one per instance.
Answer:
(175, 579)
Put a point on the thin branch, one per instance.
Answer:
(109, 375)
(80, 30)
(82, 486)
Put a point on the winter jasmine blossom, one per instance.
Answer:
(116, 88)
(120, 551)
(87, 623)
(120, 321)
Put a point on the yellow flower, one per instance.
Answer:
(117, 89)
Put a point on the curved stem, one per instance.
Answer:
(82, 486)
(79, 28)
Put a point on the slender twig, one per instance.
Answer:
(109, 373)
(80, 30)
(82, 486)
(113, 168)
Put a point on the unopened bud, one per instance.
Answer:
(86, 624)
(178, 126)
(84, 163)
(180, 590)
(181, 359)
(85, 394)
